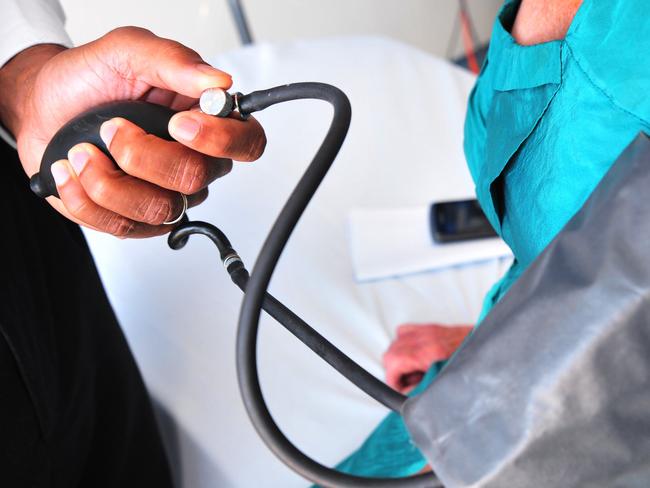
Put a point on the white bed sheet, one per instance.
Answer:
(179, 309)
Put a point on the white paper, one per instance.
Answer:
(396, 242)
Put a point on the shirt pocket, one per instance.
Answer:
(513, 116)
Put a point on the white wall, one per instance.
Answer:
(206, 25)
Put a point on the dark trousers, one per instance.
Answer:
(74, 411)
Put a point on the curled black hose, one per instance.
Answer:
(299, 328)
(154, 119)
(255, 289)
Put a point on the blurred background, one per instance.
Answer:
(208, 26)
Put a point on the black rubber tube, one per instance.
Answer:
(261, 275)
(298, 327)
(154, 118)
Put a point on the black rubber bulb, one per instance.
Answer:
(150, 117)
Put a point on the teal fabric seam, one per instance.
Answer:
(602, 90)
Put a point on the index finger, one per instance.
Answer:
(137, 53)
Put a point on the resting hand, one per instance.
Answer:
(416, 348)
(48, 85)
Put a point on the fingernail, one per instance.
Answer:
(107, 131)
(78, 158)
(185, 128)
(60, 172)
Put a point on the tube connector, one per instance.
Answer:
(220, 103)
(230, 259)
(217, 102)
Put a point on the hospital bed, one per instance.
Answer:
(179, 310)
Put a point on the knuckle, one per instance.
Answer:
(128, 32)
(174, 48)
(123, 229)
(154, 210)
(194, 177)
(135, 148)
(128, 157)
(77, 208)
(98, 191)
(118, 226)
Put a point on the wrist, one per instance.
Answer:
(16, 83)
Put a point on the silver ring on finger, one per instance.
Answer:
(182, 214)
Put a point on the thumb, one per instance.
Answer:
(161, 62)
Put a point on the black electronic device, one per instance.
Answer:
(459, 220)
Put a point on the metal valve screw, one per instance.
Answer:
(217, 102)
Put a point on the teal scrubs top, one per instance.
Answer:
(544, 124)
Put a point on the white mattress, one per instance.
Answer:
(179, 309)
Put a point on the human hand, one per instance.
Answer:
(49, 85)
(416, 348)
